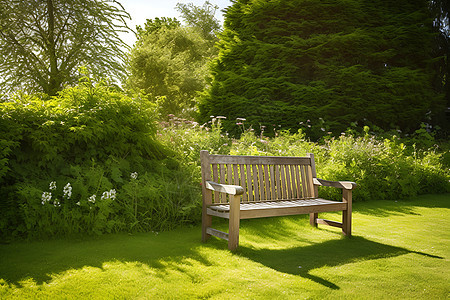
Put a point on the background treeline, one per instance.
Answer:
(335, 63)
(359, 83)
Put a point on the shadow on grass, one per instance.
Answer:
(301, 260)
(386, 208)
(40, 261)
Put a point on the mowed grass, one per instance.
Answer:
(400, 250)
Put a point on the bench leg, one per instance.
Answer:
(206, 222)
(233, 226)
(347, 214)
(313, 219)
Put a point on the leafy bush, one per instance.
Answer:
(91, 137)
(383, 168)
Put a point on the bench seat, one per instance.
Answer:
(261, 209)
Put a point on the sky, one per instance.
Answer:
(141, 10)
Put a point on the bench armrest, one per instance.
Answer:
(347, 185)
(224, 188)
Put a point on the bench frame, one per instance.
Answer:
(245, 187)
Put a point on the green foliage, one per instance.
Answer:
(187, 138)
(169, 66)
(201, 17)
(288, 61)
(169, 61)
(156, 24)
(43, 43)
(383, 168)
(91, 137)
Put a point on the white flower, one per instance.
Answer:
(92, 198)
(46, 197)
(134, 175)
(68, 191)
(105, 195)
(111, 194)
(78, 203)
(52, 185)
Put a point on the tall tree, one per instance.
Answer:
(284, 62)
(169, 61)
(201, 17)
(45, 42)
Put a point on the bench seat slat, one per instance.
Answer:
(279, 208)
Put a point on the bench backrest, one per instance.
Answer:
(264, 178)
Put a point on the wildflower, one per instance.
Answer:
(134, 175)
(239, 123)
(92, 199)
(78, 203)
(221, 117)
(111, 194)
(56, 203)
(46, 197)
(52, 185)
(241, 119)
(67, 191)
(105, 195)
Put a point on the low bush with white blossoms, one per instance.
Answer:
(46, 197)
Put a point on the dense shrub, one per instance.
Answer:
(88, 139)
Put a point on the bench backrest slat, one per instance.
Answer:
(265, 178)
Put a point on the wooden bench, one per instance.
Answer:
(245, 187)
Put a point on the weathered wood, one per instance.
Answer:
(217, 233)
(270, 186)
(278, 182)
(255, 182)
(282, 208)
(272, 182)
(288, 183)
(266, 182)
(329, 223)
(223, 197)
(337, 184)
(313, 219)
(249, 183)
(233, 225)
(347, 213)
(224, 188)
(304, 182)
(206, 195)
(259, 160)
(215, 179)
(312, 169)
(283, 188)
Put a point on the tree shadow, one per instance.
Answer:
(301, 260)
(386, 208)
(40, 261)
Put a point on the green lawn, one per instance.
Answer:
(400, 250)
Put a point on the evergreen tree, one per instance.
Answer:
(284, 62)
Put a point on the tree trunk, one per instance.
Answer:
(54, 84)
